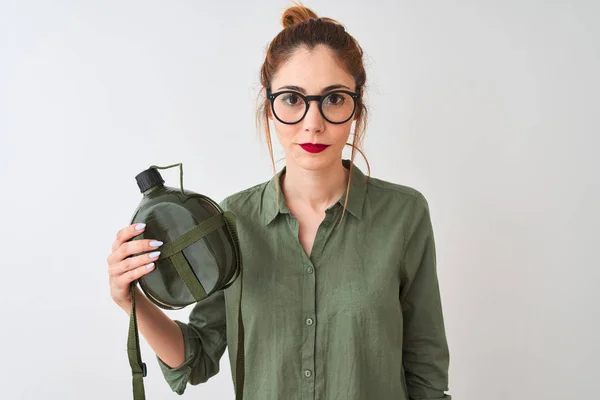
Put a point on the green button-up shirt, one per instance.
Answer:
(360, 319)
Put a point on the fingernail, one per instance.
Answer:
(150, 266)
(154, 254)
(156, 243)
(139, 227)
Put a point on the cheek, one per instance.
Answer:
(342, 134)
(285, 133)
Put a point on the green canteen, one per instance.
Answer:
(200, 255)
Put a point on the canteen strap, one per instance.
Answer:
(173, 250)
(240, 369)
(193, 235)
(240, 360)
(138, 368)
(230, 220)
(187, 276)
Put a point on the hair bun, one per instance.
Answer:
(295, 15)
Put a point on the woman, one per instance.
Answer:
(341, 297)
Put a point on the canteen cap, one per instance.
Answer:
(149, 178)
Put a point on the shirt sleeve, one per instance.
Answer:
(425, 349)
(205, 340)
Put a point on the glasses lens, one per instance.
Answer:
(338, 106)
(289, 107)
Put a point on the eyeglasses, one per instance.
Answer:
(290, 107)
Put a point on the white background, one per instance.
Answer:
(490, 108)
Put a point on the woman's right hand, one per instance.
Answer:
(124, 269)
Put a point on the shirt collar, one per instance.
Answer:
(358, 188)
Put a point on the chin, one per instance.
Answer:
(316, 161)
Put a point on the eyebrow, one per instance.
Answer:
(301, 90)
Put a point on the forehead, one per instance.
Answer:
(312, 70)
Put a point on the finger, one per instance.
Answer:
(137, 273)
(133, 249)
(136, 247)
(132, 263)
(128, 249)
(127, 234)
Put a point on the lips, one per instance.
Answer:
(313, 147)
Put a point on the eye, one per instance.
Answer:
(291, 99)
(335, 99)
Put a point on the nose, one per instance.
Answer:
(313, 120)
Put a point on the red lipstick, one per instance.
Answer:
(313, 147)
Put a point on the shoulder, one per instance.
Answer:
(404, 206)
(387, 192)
(244, 199)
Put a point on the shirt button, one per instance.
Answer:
(309, 321)
(309, 270)
(325, 224)
(307, 373)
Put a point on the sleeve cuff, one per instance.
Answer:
(178, 377)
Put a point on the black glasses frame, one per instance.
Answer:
(307, 100)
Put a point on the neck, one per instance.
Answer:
(314, 190)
